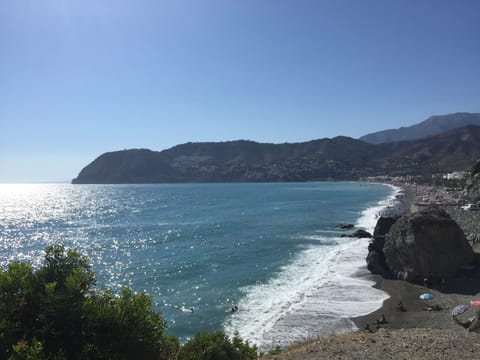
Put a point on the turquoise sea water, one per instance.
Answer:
(270, 249)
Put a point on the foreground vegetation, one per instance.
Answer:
(53, 313)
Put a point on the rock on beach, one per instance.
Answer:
(426, 244)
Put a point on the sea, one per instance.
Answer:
(265, 260)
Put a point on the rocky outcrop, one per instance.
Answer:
(383, 226)
(376, 263)
(426, 244)
(344, 226)
(359, 234)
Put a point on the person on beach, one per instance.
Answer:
(382, 320)
(443, 284)
(400, 307)
(427, 283)
(475, 324)
(464, 324)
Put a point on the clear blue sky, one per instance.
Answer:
(79, 78)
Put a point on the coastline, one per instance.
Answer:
(415, 333)
(458, 291)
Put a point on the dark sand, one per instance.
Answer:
(413, 334)
(458, 291)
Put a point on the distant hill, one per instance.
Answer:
(434, 125)
(457, 149)
(340, 158)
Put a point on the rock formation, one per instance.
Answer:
(376, 259)
(383, 226)
(426, 244)
(359, 234)
(472, 186)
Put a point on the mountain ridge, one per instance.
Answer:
(434, 125)
(339, 158)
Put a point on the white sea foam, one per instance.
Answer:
(316, 294)
(369, 216)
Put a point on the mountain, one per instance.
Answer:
(453, 150)
(231, 161)
(340, 158)
(434, 125)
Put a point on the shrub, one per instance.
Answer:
(52, 313)
(48, 314)
(217, 346)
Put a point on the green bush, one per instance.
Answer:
(217, 346)
(51, 314)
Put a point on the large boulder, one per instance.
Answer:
(376, 259)
(426, 244)
(383, 226)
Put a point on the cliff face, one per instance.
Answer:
(340, 158)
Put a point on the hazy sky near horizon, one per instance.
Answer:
(79, 78)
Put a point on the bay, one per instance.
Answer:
(272, 250)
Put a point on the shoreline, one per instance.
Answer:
(415, 333)
(458, 291)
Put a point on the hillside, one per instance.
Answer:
(231, 161)
(434, 125)
(340, 158)
(456, 149)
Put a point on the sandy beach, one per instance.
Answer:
(416, 333)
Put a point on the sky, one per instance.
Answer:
(80, 78)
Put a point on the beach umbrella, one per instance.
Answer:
(475, 303)
(460, 309)
(426, 296)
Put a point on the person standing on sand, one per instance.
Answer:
(400, 307)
